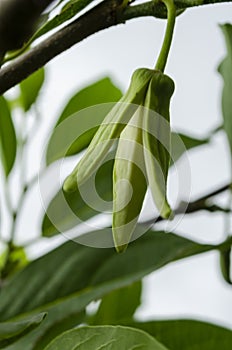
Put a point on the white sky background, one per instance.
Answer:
(192, 287)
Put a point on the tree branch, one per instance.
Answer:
(196, 205)
(106, 14)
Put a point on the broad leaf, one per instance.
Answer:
(8, 143)
(10, 332)
(108, 337)
(188, 334)
(67, 210)
(225, 69)
(40, 337)
(66, 280)
(118, 305)
(30, 89)
(103, 91)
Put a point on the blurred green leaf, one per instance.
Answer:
(108, 337)
(13, 259)
(8, 143)
(67, 210)
(118, 305)
(187, 334)
(66, 280)
(188, 142)
(225, 69)
(10, 332)
(102, 91)
(30, 89)
(225, 264)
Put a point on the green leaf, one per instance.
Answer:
(30, 89)
(108, 337)
(187, 334)
(118, 305)
(40, 337)
(66, 280)
(102, 91)
(189, 142)
(67, 210)
(51, 332)
(8, 143)
(13, 259)
(71, 9)
(10, 332)
(225, 263)
(225, 69)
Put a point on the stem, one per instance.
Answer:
(25, 185)
(9, 206)
(24, 138)
(22, 171)
(163, 56)
(7, 198)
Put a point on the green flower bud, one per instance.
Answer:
(141, 122)
(156, 138)
(110, 129)
(129, 182)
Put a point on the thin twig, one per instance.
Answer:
(196, 205)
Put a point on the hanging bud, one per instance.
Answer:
(141, 123)
(129, 182)
(156, 138)
(142, 159)
(110, 129)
